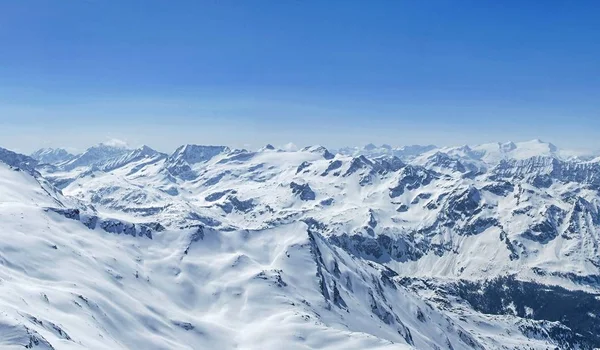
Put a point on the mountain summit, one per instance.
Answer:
(52, 155)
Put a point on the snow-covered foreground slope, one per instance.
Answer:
(76, 288)
(217, 248)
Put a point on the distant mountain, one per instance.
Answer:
(52, 156)
(493, 153)
(488, 154)
(193, 154)
(320, 150)
(181, 161)
(95, 157)
(371, 150)
(143, 153)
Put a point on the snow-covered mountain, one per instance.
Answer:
(493, 246)
(371, 150)
(95, 157)
(17, 160)
(52, 155)
(186, 156)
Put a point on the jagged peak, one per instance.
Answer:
(464, 148)
(238, 151)
(313, 148)
(192, 146)
(507, 146)
(146, 151)
(362, 159)
(390, 163)
(267, 147)
(146, 148)
(48, 150)
(192, 153)
(319, 149)
(97, 156)
(52, 155)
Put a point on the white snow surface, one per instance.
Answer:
(285, 249)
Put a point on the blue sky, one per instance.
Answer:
(244, 73)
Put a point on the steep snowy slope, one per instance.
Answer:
(17, 160)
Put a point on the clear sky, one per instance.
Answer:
(248, 72)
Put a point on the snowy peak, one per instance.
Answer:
(267, 147)
(95, 157)
(412, 151)
(193, 154)
(52, 156)
(440, 161)
(143, 153)
(508, 146)
(180, 163)
(319, 150)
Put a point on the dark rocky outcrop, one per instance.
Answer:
(110, 225)
(411, 178)
(303, 191)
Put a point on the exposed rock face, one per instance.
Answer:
(304, 192)
(559, 315)
(541, 171)
(92, 221)
(411, 178)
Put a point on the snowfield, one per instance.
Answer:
(483, 247)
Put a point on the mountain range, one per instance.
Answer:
(492, 246)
